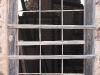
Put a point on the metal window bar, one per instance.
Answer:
(52, 10)
(40, 32)
(62, 34)
(50, 74)
(32, 26)
(62, 42)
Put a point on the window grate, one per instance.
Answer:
(40, 21)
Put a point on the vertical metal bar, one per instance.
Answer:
(62, 12)
(62, 31)
(93, 51)
(18, 52)
(93, 16)
(84, 38)
(84, 23)
(17, 41)
(53, 37)
(40, 32)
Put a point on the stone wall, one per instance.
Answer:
(97, 37)
(3, 38)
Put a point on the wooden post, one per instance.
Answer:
(89, 37)
(12, 40)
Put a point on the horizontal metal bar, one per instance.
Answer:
(27, 43)
(50, 74)
(52, 10)
(30, 26)
(73, 74)
(28, 57)
(29, 73)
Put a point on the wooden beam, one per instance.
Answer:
(30, 26)
(28, 57)
(89, 37)
(12, 33)
(28, 43)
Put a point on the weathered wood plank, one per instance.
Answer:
(27, 43)
(12, 19)
(27, 57)
(89, 36)
(30, 26)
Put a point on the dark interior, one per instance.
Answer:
(51, 18)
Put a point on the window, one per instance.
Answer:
(51, 37)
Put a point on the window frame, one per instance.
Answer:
(13, 42)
